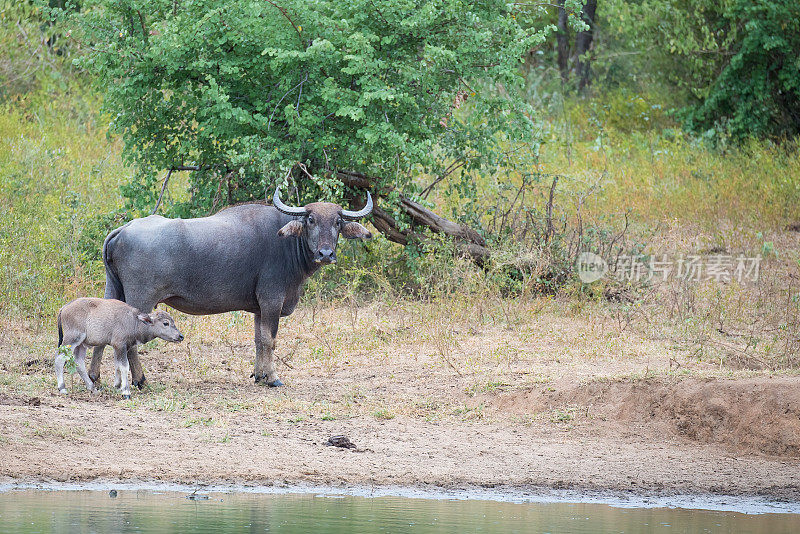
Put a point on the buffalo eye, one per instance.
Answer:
(311, 219)
(339, 221)
(166, 323)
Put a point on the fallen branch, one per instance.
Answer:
(468, 240)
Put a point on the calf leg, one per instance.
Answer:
(61, 359)
(145, 304)
(135, 364)
(80, 365)
(122, 368)
(266, 328)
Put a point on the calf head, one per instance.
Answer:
(321, 223)
(160, 324)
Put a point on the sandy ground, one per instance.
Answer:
(537, 399)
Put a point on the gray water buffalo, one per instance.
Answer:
(249, 257)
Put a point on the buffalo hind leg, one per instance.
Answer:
(266, 328)
(121, 370)
(94, 367)
(80, 365)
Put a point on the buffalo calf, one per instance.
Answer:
(92, 322)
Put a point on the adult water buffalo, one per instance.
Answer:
(250, 257)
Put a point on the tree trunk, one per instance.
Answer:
(583, 43)
(562, 42)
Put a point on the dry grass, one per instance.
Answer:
(432, 361)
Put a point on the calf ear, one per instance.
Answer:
(145, 318)
(353, 230)
(292, 228)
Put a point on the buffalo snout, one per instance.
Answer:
(326, 255)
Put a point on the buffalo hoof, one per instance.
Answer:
(126, 397)
(263, 379)
(94, 378)
(140, 383)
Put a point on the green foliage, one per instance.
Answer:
(34, 56)
(246, 89)
(58, 171)
(758, 90)
(735, 62)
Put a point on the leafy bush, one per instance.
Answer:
(734, 62)
(244, 91)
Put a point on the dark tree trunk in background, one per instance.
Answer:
(583, 43)
(562, 40)
(577, 55)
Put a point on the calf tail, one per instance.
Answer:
(114, 289)
(60, 331)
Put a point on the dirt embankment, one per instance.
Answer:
(750, 415)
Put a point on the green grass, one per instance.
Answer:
(57, 170)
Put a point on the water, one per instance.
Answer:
(142, 511)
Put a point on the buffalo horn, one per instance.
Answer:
(363, 212)
(283, 208)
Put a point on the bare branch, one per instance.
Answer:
(163, 188)
(285, 13)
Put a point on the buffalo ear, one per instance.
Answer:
(353, 230)
(292, 228)
(145, 318)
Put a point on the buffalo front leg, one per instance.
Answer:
(135, 365)
(144, 302)
(266, 327)
(137, 372)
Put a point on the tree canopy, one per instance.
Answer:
(734, 62)
(244, 90)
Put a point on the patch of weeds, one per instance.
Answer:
(166, 404)
(383, 414)
(328, 417)
(203, 421)
(58, 431)
(488, 387)
(235, 406)
(296, 419)
(564, 415)
(523, 419)
(466, 413)
(226, 438)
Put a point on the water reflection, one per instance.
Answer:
(32, 511)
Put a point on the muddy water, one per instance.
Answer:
(142, 511)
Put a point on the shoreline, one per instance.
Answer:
(745, 504)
